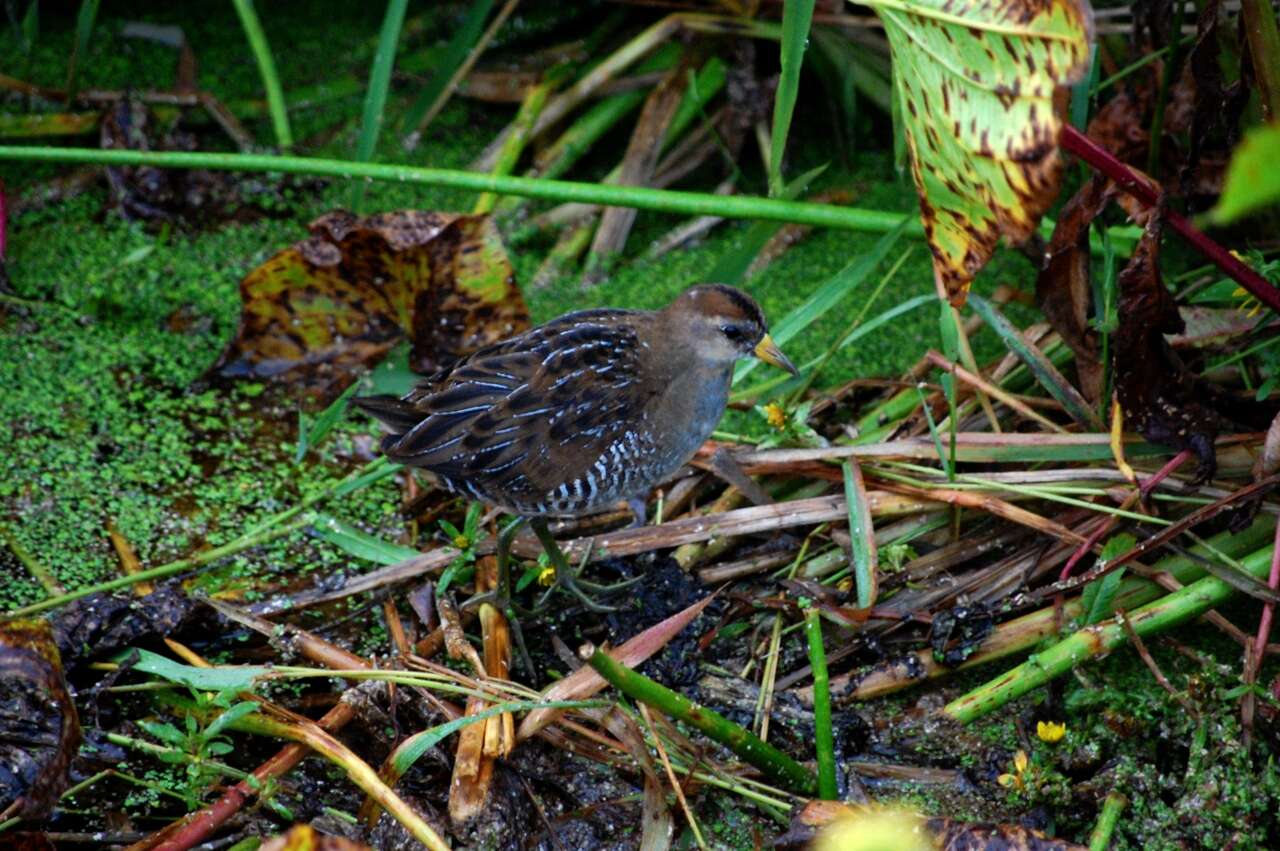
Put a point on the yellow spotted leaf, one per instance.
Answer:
(975, 84)
(340, 299)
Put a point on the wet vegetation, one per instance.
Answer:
(1008, 566)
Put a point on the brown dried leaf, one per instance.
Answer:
(1063, 288)
(1160, 397)
(1269, 461)
(342, 298)
(39, 728)
(637, 168)
(1156, 392)
(1217, 106)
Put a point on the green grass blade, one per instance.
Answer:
(907, 403)
(84, 29)
(1044, 371)
(411, 749)
(733, 264)
(267, 68)
(1099, 596)
(829, 295)
(219, 678)
(360, 544)
(459, 46)
(375, 100)
(824, 737)
(797, 15)
(862, 543)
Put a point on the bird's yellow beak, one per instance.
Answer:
(767, 350)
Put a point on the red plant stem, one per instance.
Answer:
(1107, 524)
(1149, 484)
(1268, 609)
(1127, 179)
(200, 826)
(1257, 652)
(1144, 491)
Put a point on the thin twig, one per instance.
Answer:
(1145, 655)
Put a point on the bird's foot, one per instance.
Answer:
(569, 579)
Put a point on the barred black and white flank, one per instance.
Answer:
(587, 410)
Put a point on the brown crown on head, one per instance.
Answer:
(721, 300)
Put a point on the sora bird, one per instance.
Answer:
(576, 415)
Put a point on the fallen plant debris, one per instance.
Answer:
(39, 726)
(340, 299)
(953, 586)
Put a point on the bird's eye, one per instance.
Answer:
(735, 333)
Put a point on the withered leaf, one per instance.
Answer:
(1160, 397)
(96, 626)
(1063, 288)
(957, 633)
(975, 84)
(39, 728)
(1217, 105)
(342, 298)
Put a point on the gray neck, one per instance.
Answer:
(694, 399)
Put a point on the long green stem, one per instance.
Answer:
(664, 200)
(34, 566)
(741, 741)
(1190, 602)
(521, 125)
(273, 527)
(163, 571)
(267, 68)
(1112, 807)
(824, 739)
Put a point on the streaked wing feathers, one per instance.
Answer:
(529, 414)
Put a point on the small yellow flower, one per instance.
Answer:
(775, 415)
(1250, 305)
(1050, 731)
(1015, 779)
(461, 542)
(547, 577)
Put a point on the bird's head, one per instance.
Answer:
(723, 324)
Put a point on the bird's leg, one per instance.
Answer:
(566, 577)
(500, 596)
(639, 510)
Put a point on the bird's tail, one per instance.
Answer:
(396, 415)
